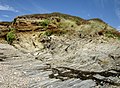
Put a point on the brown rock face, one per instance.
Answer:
(33, 22)
(4, 28)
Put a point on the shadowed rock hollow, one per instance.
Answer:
(68, 44)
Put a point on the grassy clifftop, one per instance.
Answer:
(59, 24)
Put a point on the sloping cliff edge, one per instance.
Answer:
(66, 42)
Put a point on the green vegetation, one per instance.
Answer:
(97, 20)
(67, 24)
(96, 25)
(44, 23)
(76, 19)
(50, 32)
(112, 34)
(10, 35)
(12, 29)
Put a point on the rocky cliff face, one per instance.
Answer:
(69, 42)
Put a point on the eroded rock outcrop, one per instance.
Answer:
(65, 41)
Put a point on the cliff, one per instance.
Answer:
(69, 42)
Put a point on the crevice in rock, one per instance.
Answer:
(65, 73)
(1, 59)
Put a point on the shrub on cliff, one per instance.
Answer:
(113, 34)
(10, 36)
(45, 23)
